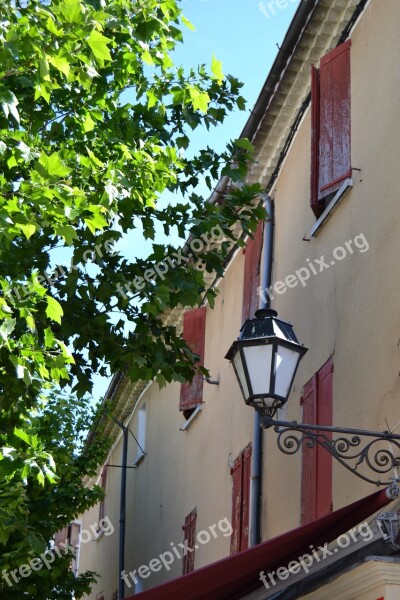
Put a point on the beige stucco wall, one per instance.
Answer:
(182, 469)
(350, 311)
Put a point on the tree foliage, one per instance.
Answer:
(52, 456)
(95, 124)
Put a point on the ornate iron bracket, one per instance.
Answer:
(349, 447)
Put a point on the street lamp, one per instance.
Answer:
(265, 358)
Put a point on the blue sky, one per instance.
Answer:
(244, 35)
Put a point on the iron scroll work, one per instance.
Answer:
(381, 454)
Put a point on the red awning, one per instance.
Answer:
(235, 576)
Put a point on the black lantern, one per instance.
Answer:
(265, 358)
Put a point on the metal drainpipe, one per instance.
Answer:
(256, 465)
(121, 553)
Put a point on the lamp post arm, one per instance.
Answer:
(383, 435)
(380, 452)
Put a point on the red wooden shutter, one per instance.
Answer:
(309, 475)
(189, 536)
(324, 459)
(244, 538)
(194, 327)
(335, 133)
(61, 537)
(237, 479)
(316, 492)
(73, 534)
(251, 279)
(315, 116)
(103, 483)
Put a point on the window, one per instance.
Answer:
(189, 538)
(103, 483)
(241, 476)
(194, 326)
(251, 279)
(331, 132)
(316, 496)
(141, 434)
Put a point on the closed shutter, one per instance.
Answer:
(189, 538)
(324, 459)
(194, 326)
(331, 125)
(244, 538)
(237, 478)
(309, 474)
(103, 484)
(61, 537)
(74, 531)
(316, 493)
(251, 279)
(241, 477)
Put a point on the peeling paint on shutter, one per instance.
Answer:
(194, 326)
(244, 538)
(324, 459)
(61, 537)
(309, 474)
(316, 490)
(237, 482)
(315, 118)
(189, 538)
(103, 484)
(334, 130)
(251, 280)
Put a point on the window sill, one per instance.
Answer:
(332, 206)
(192, 418)
(139, 459)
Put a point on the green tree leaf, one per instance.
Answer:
(216, 69)
(200, 100)
(53, 165)
(54, 310)
(98, 44)
(60, 63)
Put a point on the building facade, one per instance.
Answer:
(326, 132)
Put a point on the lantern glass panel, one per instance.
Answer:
(258, 361)
(237, 362)
(286, 361)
